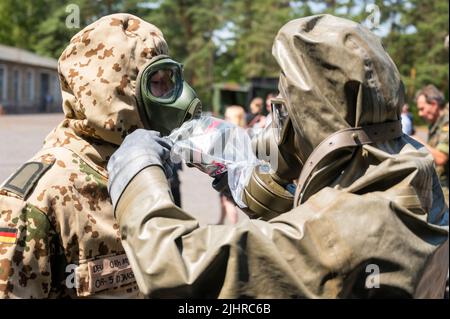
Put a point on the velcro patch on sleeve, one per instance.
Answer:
(26, 177)
(8, 235)
(110, 272)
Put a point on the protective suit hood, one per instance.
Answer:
(335, 74)
(98, 71)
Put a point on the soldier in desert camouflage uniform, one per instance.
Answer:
(433, 109)
(58, 236)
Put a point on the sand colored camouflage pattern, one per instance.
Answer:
(374, 224)
(67, 219)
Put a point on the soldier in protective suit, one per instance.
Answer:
(368, 216)
(58, 235)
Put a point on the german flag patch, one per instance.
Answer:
(8, 235)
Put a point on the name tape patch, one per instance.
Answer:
(109, 272)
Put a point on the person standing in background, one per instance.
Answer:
(432, 108)
(255, 119)
(407, 121)
(234, 114)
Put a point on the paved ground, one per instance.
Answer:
(22, 135)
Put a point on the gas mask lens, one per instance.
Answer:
(279, 118)
(163, 82)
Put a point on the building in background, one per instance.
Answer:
(226, 94)
(28, 82)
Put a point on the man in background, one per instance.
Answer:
(432, 108)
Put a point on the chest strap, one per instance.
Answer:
(350, 137)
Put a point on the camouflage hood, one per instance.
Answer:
(98, 73)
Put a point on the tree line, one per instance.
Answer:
(231, 40)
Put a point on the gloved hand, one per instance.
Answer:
(140, 149)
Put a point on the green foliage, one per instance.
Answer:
(420, 54)
(254, 31)
(52, 34)
(40, 25)
(188, 26)
(18, 18)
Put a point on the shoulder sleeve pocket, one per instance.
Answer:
(21, 182)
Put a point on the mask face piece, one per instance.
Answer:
(165, 100)
(163, 83)
(266, 194)
(280, 119)
(289, 164)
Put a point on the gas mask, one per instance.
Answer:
(269, 193)
(165, 100)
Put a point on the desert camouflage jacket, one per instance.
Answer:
(58, 236)
(438, 138)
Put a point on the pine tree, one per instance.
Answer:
(189, 27)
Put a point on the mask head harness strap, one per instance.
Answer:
(350, 137)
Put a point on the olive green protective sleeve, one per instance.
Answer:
(325, 248)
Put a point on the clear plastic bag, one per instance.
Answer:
(216, 147)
